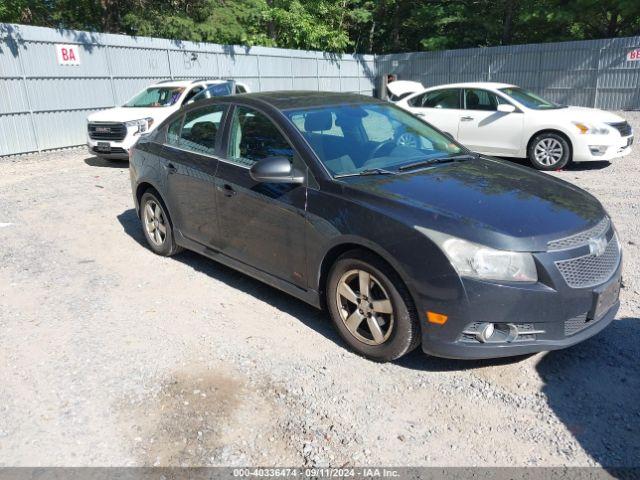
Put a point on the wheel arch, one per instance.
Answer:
(345, 245)
(554, 131)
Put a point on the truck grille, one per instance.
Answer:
(107, 131)
(591, 270)
(581, 238)
(623, 127)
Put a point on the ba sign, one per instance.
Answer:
(68, 54)
(633, 55)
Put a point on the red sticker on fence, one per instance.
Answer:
(633, 55)
(68, 54)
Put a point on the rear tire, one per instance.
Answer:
(549, 151)
(371, 307)
(156, 225)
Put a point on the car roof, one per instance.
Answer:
(186, 83)
(493, 85)
(294, 99)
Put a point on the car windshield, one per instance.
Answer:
(156, 97)
(530, 99)
(365, 138)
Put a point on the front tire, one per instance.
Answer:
(156, 225)
(371, 307)
(549, 151)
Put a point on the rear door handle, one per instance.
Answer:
(227, 190)
(171, 168)
(466, 119)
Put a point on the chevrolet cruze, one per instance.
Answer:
(404, 243)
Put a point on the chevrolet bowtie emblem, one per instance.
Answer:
(597, 245)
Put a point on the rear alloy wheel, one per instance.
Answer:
(156, 225)
(549, 151)
(371, 308)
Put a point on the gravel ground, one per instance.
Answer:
(110, 355)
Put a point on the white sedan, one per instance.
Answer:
(508, 121)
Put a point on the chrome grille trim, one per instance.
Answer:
(591, 270)
(581, 238)
(116, 131)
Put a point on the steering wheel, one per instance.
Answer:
(390, 144)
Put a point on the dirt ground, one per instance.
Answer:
(111, 355)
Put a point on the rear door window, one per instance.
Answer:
(199, 131)
(447, 98)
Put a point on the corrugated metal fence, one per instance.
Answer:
(44, 105)
(593, 73)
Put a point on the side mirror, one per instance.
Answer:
(506, 108)
(275, 170)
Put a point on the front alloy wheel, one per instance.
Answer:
(549, 151)
(365, 307)
(371, 307)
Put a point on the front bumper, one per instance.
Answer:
(610, 147)
(559, 315)
(112, 149)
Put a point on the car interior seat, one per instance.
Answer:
(331, 148)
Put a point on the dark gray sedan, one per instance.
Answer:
(403, 235)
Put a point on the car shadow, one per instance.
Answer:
(105, 163)
(594, 389)
(308, 315)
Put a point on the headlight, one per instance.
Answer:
(591, 128)
(141, 125)
(477, 261)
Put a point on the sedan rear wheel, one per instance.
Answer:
(371, 308)
(156, 225)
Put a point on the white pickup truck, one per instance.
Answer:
(112, 132)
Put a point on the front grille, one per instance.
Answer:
(576, 324)
(107, 131)
(114, 150)
(581, 238)
(623, 127)
(591, 270)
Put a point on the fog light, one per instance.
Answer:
(485, 332)
(598, 150)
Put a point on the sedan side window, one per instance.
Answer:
(254, 137)
(447, 98)
(199, 131)
(477, 99)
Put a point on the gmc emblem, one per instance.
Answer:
(103, 130)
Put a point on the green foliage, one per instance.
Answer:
(340, 25)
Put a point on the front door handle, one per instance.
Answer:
(227, 190)
(171, 168)
(421, 114)
(466, 119)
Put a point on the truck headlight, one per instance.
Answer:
(591, 128)
(142, 125)
(478, 261)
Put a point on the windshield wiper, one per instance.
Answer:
(431, 161)
(369, 171)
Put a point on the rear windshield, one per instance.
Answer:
(156, 97)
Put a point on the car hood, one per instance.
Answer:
(582, 114)
(488, 201)
(125, 114)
